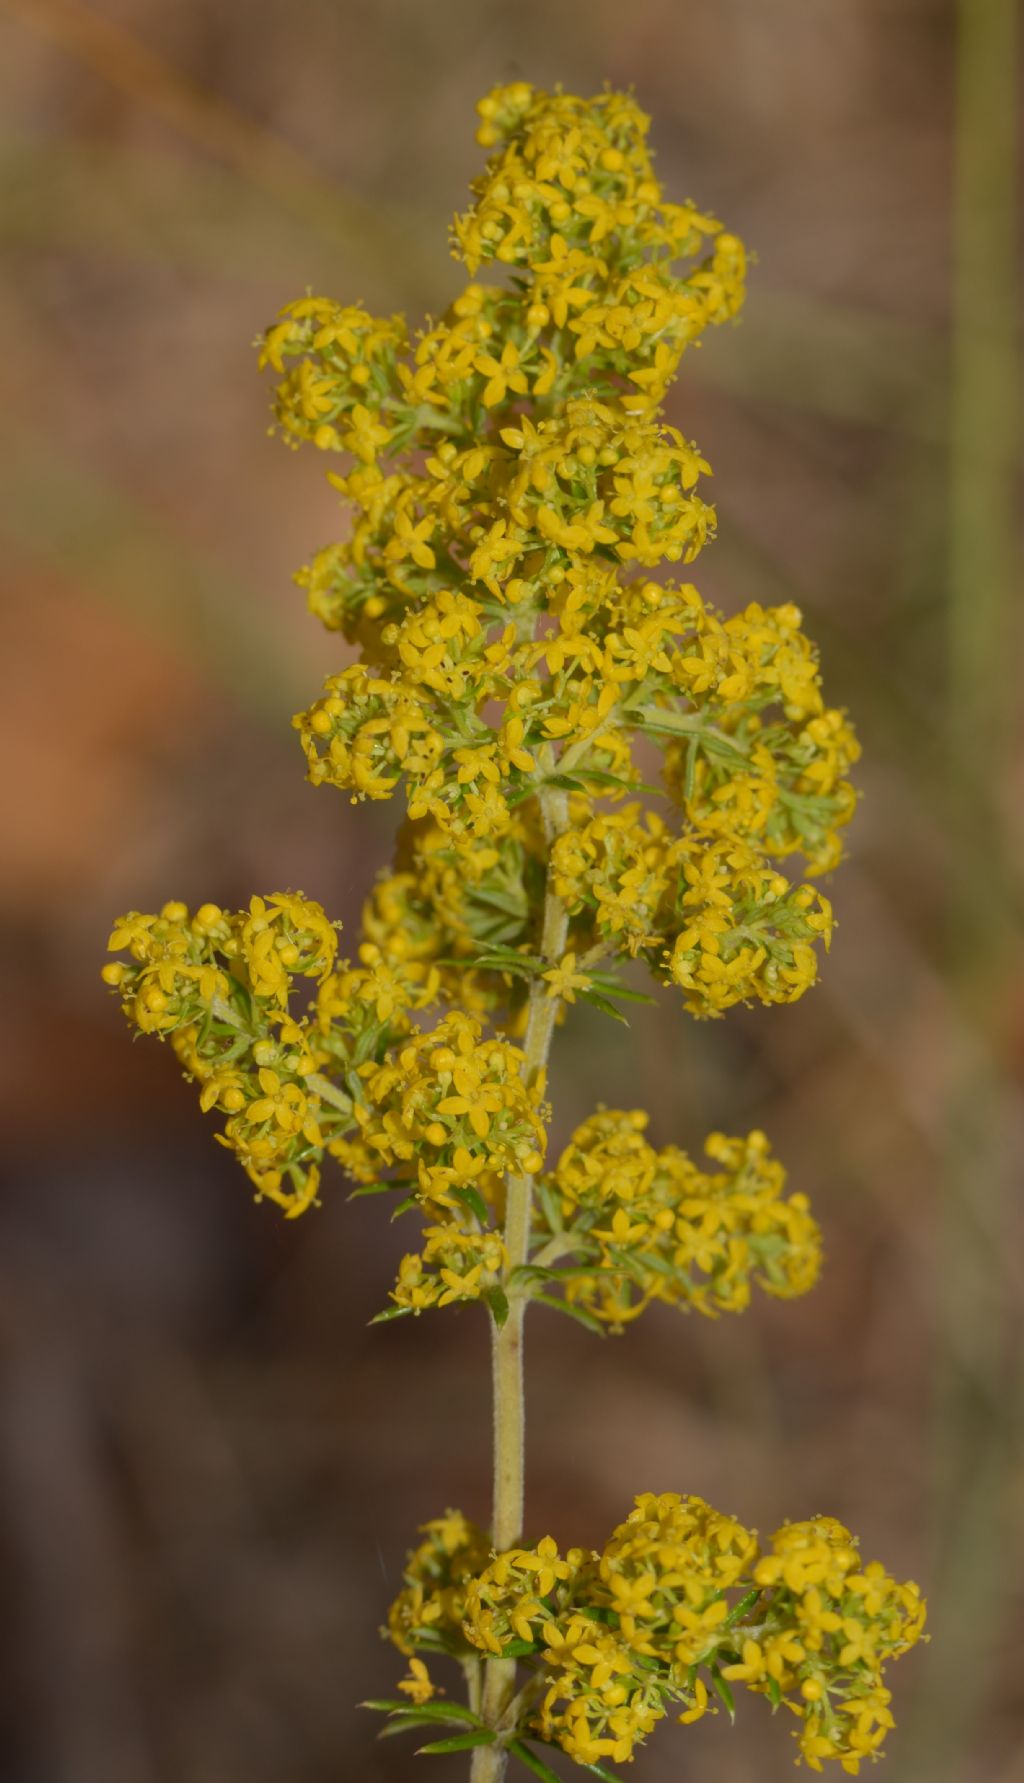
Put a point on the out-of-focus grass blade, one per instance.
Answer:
(973, 1525)
(212, 124)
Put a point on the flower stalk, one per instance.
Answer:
(507, 1339)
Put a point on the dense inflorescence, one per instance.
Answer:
(520, 660)
(511, 484)
(648, 1225)
(680, 1604)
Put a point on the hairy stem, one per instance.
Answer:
(489, 1762)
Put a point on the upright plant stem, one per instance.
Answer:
(489, 1762)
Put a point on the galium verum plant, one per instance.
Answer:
(513, 489)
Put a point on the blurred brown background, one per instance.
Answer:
(209, 1466)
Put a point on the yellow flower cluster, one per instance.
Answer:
(569, 198)
(347, 1074)
(511, 487)
(453, 1105)
(740, 931)
(646, 1225)
(825, 1628)
(220, 986)
(454, 1264)
(711, 912)
(444, 906)
(217, 984)
(449, 1110)
(770, 761)
(519, 1592)
(655, 1603)
(804, 1621)
(512, 484)
(366, 732)
(664, 1572)
(430, 1609)
(680, 1604)
(600, 1702)
(178, 959)
(352, 354)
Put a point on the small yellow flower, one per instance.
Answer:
(418, 1684)
(564, 981)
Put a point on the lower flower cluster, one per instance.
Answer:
(679, 1605)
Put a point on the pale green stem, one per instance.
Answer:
(224, 1013)
(328, 1092)
(974, 1520)
(556, 1247)
(489, 1762)
(472, 1670)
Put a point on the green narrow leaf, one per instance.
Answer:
(532, 1762)
(599, 1771)
(515, 954)
(560, 1272)
(740, 1609)
(550, 1204)
(406, 1724)
(498, 931)
(460, 1742)
(610, 987)
(602, 1003)
(530, 1272)
(691, 769)
(497, 899)
(376, 1188)
(723, 1691)
(382, 1318)
(473, 1199)
(443, 1712)
(573, 1312)
(505, 959)
(628, 1264)
(520, 795)
(497, 1300)
(601, 775)
(516, 1649)
(603, 779)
